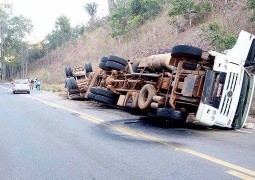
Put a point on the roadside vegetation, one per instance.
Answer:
(218, 37)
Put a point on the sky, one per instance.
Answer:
(43, 13)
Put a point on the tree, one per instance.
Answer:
(13, 31)
(131, 14)
(182, 7)
(63, 29)
(112, 5)
(78, 31)
(91, 9)
(189, 9)
(61, 33)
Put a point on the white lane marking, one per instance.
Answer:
(240, 175)
(6, 88)
(245, 131)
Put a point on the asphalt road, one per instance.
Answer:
(45, 136)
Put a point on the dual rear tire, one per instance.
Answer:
(113, 63)
(103, 96)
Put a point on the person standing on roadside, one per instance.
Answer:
(31, 84)
(38, 85)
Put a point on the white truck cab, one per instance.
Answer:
(229, 87)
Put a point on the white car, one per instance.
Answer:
(21, 85)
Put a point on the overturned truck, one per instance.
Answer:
(77, 80)
(184, 85)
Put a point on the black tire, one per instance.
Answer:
(74, 91)
(117, 60)
(146, 95)
(88, 67)
(68, 71)
(186, 51)
(103, 92)
(74, 83)
(135, 66)
(91, 96)
(114, 65)
(93, 90)
(171, 114)
(28, 92)
(105, 100)
(68, 83)
(104, 59)
(69, 96)
(102, 65)
(13, 92)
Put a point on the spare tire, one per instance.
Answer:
(117, 60)
(171, 114)
(186, 51)
(88, 67)
(145, 96)
(114, 65)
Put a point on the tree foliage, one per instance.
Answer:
(218, 37)
(189, 9)
(61, 34)
(13, 31)
(130, 15)
(91, 9)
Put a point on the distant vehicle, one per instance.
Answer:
(21, 85)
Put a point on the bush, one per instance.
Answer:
(131, 16)
(218, 37)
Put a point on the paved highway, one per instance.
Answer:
(44, 136)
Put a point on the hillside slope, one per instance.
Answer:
(155, 36)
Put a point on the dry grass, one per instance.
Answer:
(53, 87)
